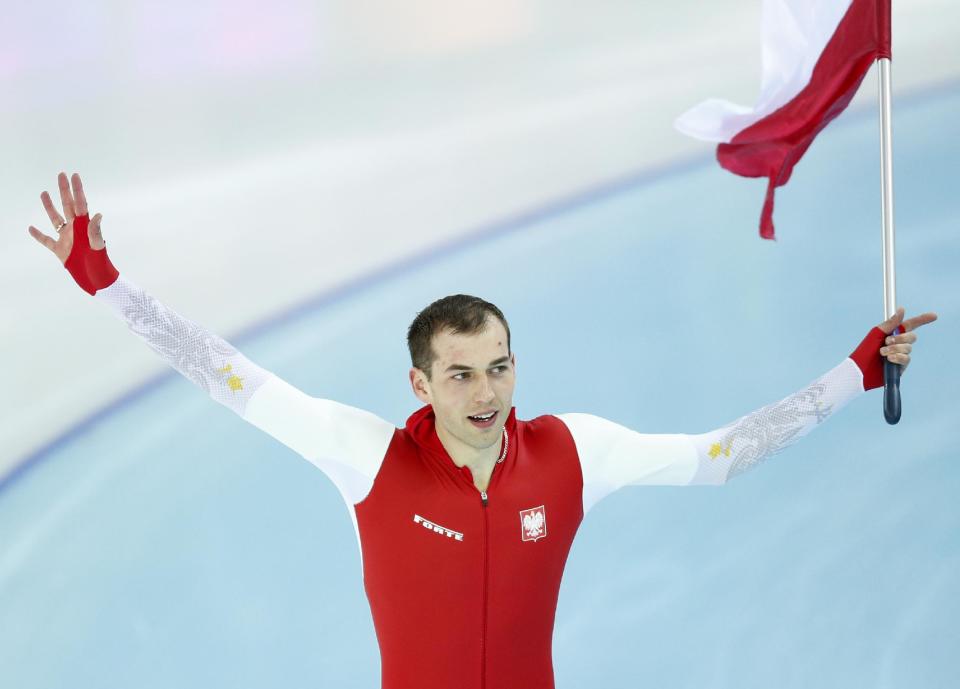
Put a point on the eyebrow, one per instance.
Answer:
(461, 367)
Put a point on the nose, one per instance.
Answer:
(483, 391)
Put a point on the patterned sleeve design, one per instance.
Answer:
(205, 359)
(346, 443)
(613, 456)
(729, 451)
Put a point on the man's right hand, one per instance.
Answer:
(82, 253)
(74, 204)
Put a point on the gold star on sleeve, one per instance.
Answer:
(716, 449)
(234, 382)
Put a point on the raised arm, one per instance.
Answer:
(348, 444)
(612, 456)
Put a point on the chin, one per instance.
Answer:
(484, 437)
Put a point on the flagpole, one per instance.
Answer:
(891, 371)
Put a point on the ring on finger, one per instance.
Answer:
(61, 225)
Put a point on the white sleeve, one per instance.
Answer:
(346, 443)
(613, 456)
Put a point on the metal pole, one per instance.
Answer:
(891, 395)
(886, 190)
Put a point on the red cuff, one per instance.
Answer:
(868, 359)
(90, 268)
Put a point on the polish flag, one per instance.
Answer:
(815, 54)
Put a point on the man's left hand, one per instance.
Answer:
(897, 347)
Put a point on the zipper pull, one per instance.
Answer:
(483, 496)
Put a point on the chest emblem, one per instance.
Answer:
(533, 523)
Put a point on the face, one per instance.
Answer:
(471, 376)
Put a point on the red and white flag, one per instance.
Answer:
(815, 54)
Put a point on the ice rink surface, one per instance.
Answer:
(152, 539)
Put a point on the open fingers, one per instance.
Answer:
(43, 239)
(917, 321)
(66, 197)
(96, 236)
(52, 212)
(79, 198)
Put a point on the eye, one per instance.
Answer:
(460, 376)
(499, 369)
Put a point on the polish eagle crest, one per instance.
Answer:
(533, 523)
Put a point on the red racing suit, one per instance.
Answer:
(463, 592)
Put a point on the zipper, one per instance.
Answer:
(486, 574)
(486, 570)
(486, 578)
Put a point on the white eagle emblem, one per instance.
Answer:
(533, 523)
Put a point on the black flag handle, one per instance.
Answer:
(891, 391)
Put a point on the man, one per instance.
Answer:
(464, 516)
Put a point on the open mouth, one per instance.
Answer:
(483, 420)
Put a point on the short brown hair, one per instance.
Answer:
(459, 313)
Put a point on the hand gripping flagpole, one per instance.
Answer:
(891, 371)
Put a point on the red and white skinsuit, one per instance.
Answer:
(463, 590)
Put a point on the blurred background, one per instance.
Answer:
(302, 177)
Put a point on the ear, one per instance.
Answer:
(420, 385)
